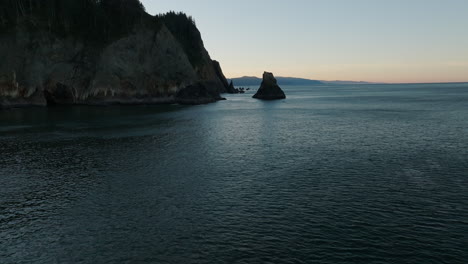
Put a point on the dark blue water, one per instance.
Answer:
(333, 174)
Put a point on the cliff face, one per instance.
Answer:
(145, 66)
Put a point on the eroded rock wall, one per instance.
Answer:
(147, 66)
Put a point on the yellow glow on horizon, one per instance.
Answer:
(388, 73)
(366, 40)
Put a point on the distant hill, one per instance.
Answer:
(255, 81)
(346, 82)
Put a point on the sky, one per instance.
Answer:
(360, 40)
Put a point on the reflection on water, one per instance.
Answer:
(333, 174)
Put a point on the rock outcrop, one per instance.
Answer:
(197, 93)
(269, 89)
(149, 65)
(231, 89)
(220, 75)
(228, 87)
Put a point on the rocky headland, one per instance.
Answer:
(269, 89)
(102, 52)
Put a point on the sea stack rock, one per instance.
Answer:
(269, 89)
(231, 88)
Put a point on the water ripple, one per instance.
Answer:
(375, 174)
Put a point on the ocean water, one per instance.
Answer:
(333, 174)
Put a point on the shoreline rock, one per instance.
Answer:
(199, 93)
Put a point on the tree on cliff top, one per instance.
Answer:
(94, 18)
(98, 21)
(183, 27)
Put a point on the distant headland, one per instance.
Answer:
(290, 81)
(255, 81)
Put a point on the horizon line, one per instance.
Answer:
(360, 81)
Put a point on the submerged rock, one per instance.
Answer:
(269, 89)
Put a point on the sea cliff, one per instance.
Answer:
(158, 59)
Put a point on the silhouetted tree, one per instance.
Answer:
(108, 18)
(183, 27)
(98, 20)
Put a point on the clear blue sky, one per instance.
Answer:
(370, 40)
